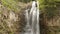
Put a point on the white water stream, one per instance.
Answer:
(32, 18)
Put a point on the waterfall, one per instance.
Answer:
(32, 20)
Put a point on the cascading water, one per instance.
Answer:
(32, 18)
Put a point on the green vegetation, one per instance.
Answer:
(49, 7)
(13, 4)
(48, 3)
(10, 4)
(25, 1)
